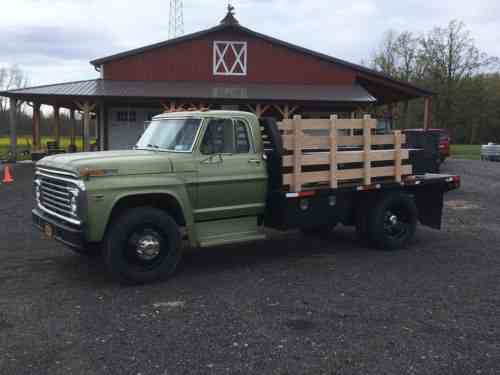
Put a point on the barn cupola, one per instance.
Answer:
(230, 19)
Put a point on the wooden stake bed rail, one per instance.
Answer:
(323, 159)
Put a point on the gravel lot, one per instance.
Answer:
(286, 306)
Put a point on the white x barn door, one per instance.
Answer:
(230, 58)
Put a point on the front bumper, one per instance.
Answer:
(70, 236)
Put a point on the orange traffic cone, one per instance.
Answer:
(7, 175)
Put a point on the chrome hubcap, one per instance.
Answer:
(395, 224)
(393, 219)
(148, 247)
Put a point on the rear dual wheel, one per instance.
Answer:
(388, 223)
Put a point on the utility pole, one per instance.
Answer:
(176, 23)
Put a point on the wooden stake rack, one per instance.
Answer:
(321, 152)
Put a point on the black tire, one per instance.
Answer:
(128, 237)
(318, 231)
(392, 222)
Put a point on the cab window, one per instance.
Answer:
(223, 136)
(218, 138)
(242, 140)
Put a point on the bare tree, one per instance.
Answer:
(11, 78)
(398, 56)
(385, 57)
(449, 56)
(409, 67)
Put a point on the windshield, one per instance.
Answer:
(176, 135)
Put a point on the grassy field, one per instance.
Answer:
(24, 144)
(470, 152)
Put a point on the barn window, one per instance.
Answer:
(230, 58)
(126, 116)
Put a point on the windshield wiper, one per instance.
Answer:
(147, 147)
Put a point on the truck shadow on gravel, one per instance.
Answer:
(284, 249)
(279, 247)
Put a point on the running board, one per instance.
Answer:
(228, 240)
(229, 231)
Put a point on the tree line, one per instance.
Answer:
(446, 61)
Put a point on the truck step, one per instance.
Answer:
(228, 231)
(233, 239)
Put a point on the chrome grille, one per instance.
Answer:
(55, 193)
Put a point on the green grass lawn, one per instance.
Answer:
(24, 144)
(471, 152)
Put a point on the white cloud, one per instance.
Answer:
(53, 40)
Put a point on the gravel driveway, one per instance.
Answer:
(286, 306)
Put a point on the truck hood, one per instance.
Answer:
(121, 162)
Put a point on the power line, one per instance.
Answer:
(176, 22)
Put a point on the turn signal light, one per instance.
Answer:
(86, 173)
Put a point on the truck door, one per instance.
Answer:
(232, 177)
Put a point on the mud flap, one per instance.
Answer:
(430, 207)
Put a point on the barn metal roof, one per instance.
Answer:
(100, 88)
(235, 26)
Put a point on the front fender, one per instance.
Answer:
(104, 193)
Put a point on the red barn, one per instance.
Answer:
(227, 66)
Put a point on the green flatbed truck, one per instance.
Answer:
(210, 178)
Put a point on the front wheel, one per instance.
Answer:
(143, 245)
(392, 222)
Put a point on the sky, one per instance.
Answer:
(54, 40)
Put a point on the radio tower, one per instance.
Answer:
(176, 23)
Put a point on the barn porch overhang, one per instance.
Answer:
(95, 97)
(67, 94)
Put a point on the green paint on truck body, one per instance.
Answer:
(206, 187)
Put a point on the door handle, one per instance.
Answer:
(255, 161)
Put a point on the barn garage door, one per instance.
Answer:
(126, 126)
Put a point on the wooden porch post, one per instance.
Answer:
(101, 126)
(259, 109)
(82, 127)
(286, 111)
(172, 106)
(13, 127)
(427, 112)
(86, 108)
(390, 109)
(73, 126)
(36, 127)
(57, 125)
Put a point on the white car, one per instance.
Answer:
(490, 152)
